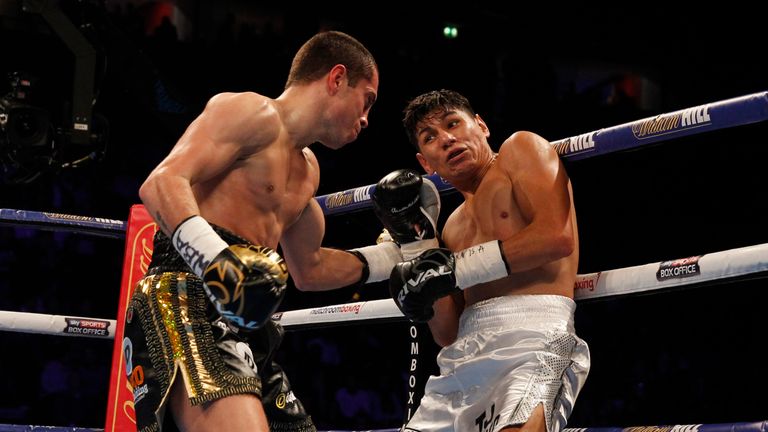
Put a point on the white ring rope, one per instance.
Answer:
(731, 263)
(716, 266)
(59, 325)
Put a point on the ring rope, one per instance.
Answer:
(727, 113)
(696, 270)
(732, 263)
(739, 111)
(57, 325)
(64, 222)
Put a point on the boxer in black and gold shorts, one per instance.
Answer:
(173, 329)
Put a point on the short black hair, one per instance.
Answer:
(429, 103)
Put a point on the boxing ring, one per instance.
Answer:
(707, 269)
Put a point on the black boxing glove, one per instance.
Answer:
(246, 283)
(408, 206)
(417, 283)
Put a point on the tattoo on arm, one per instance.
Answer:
(161, 222)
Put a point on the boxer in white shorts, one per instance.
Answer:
(512, 354)
(499, 296)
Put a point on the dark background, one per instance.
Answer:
(689, 356)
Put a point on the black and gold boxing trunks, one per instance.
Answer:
(171, 329)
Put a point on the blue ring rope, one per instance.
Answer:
(728, 113)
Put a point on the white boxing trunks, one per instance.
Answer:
(512, 353)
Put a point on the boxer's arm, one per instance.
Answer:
(444, 326)
(541, 189)
(210, 145)
(406, 204)
(313, 267)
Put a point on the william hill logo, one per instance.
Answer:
(577, 144)
(672, 122)
(347, 197)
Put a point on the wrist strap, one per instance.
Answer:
(413, 249)
(379, 259)
(479, 264)
(197, 243)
